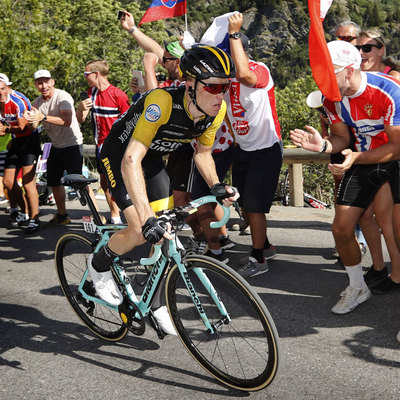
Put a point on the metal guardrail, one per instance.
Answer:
(294, 157)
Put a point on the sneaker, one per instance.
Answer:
(3, 199)
(226, 243)
(335, 253)
(372, 277)
(59, 219)
(17, 218)
(386, 286)
(104, 284)
(194, 246)
(33, 226)
(220, 257)
(243, 226)
(253, 268)
(164, 321)
(351, 298)
(270, 252)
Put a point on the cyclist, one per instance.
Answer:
(160, 122)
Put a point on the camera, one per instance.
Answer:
(120, 14)
(83, 95)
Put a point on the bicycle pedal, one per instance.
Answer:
(153, 322)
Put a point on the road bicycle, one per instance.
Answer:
(283, 195)
(220, 319)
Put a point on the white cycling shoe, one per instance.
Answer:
(164, 321)
(104, 284)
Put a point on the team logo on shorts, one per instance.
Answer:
(153, 113)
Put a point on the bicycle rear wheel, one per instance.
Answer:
(242, 353)
(71, 253)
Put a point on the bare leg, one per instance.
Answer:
(258, 228)
(15, 193)
(29, 183)
(114, 210)
(59, 197)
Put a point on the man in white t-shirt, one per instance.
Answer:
(257, 158)
(54, 108)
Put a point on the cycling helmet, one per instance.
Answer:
(203, 62)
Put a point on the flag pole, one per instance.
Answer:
(186, 24)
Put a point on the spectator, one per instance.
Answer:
(54, 108)
(257, 158)
(4, 140)
(371, 108)
(22, 156)
(348, 31)
(106, 103)
(373, 54)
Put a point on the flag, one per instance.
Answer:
(320, 59)
(217, 34)
(162, 9)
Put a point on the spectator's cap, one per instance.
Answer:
(4, 78)
(344, 54)
(41, 73)
(174, 48)
(245, 42)
(314, 99)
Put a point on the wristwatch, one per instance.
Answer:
(44, 118)
(235, 35)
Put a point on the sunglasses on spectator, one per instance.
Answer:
(342, 68)
(165, 59)
(216, 88)
(89, 72)
(366, 48)
(347, 38)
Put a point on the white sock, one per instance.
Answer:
(116, 220)
(356, 276)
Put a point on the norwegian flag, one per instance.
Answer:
(162, 9)
(320, 59)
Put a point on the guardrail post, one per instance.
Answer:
(296, 185)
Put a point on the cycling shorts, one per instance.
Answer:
(255, 174)
(157, 181)
(24, 151)
(68, 159)
(361, 182)
(179, 168)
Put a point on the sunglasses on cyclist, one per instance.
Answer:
(165, 59)
(216, 88)
(366, 48)
(347, 38)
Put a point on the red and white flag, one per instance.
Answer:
(320, 59)
(162, 9)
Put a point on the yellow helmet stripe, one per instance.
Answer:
(225, 63)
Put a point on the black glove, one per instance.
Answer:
(218, 190)
(154, 229)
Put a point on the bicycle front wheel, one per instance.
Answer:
(243, 350)
(72, 252)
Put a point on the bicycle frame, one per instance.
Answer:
(160, 262)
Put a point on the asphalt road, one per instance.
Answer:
(46, 353)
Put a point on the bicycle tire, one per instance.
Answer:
(243, 353)
(71, 253)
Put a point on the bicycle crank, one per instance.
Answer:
(128, 312)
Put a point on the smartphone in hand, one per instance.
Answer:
(83, 95)
(139, 76)
(120, 14)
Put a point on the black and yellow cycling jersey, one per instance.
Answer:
(162, 122)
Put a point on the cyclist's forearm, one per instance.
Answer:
(206, 166)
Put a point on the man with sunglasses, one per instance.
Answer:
(105, 103)
(257, 158)
(348, 31)
(370, 107)
(160, 122)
